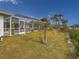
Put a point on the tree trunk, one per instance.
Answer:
(45, 35)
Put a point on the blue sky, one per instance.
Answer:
(43, 8)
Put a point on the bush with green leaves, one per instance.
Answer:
(74, 34)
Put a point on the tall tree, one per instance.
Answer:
(44, 20)
(64, 24)
(56, 19)
(45, 25)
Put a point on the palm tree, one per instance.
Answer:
(45, 24)
(75, 26)
(44, 20)
(64, 24)
(57, 18)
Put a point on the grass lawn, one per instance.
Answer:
(29, 46)
(77, 57)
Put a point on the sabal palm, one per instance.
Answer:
(64, 23)
(56, 18)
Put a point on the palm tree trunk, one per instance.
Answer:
(45, 36)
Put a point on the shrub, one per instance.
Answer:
(74, 34)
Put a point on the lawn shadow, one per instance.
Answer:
(29, 38)
(37, 40)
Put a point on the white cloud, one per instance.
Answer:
(12, 1)
(49, 15)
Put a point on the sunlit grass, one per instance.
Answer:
(30, 46)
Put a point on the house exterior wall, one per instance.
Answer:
(1, 26)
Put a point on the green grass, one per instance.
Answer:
(77, 57)
(29, 46)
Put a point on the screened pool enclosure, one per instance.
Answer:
(16, 24)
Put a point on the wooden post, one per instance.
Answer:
(32, 27)
(19, 26)
(10, 26)
(24, 27)
(39, 28)
(1, 39)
